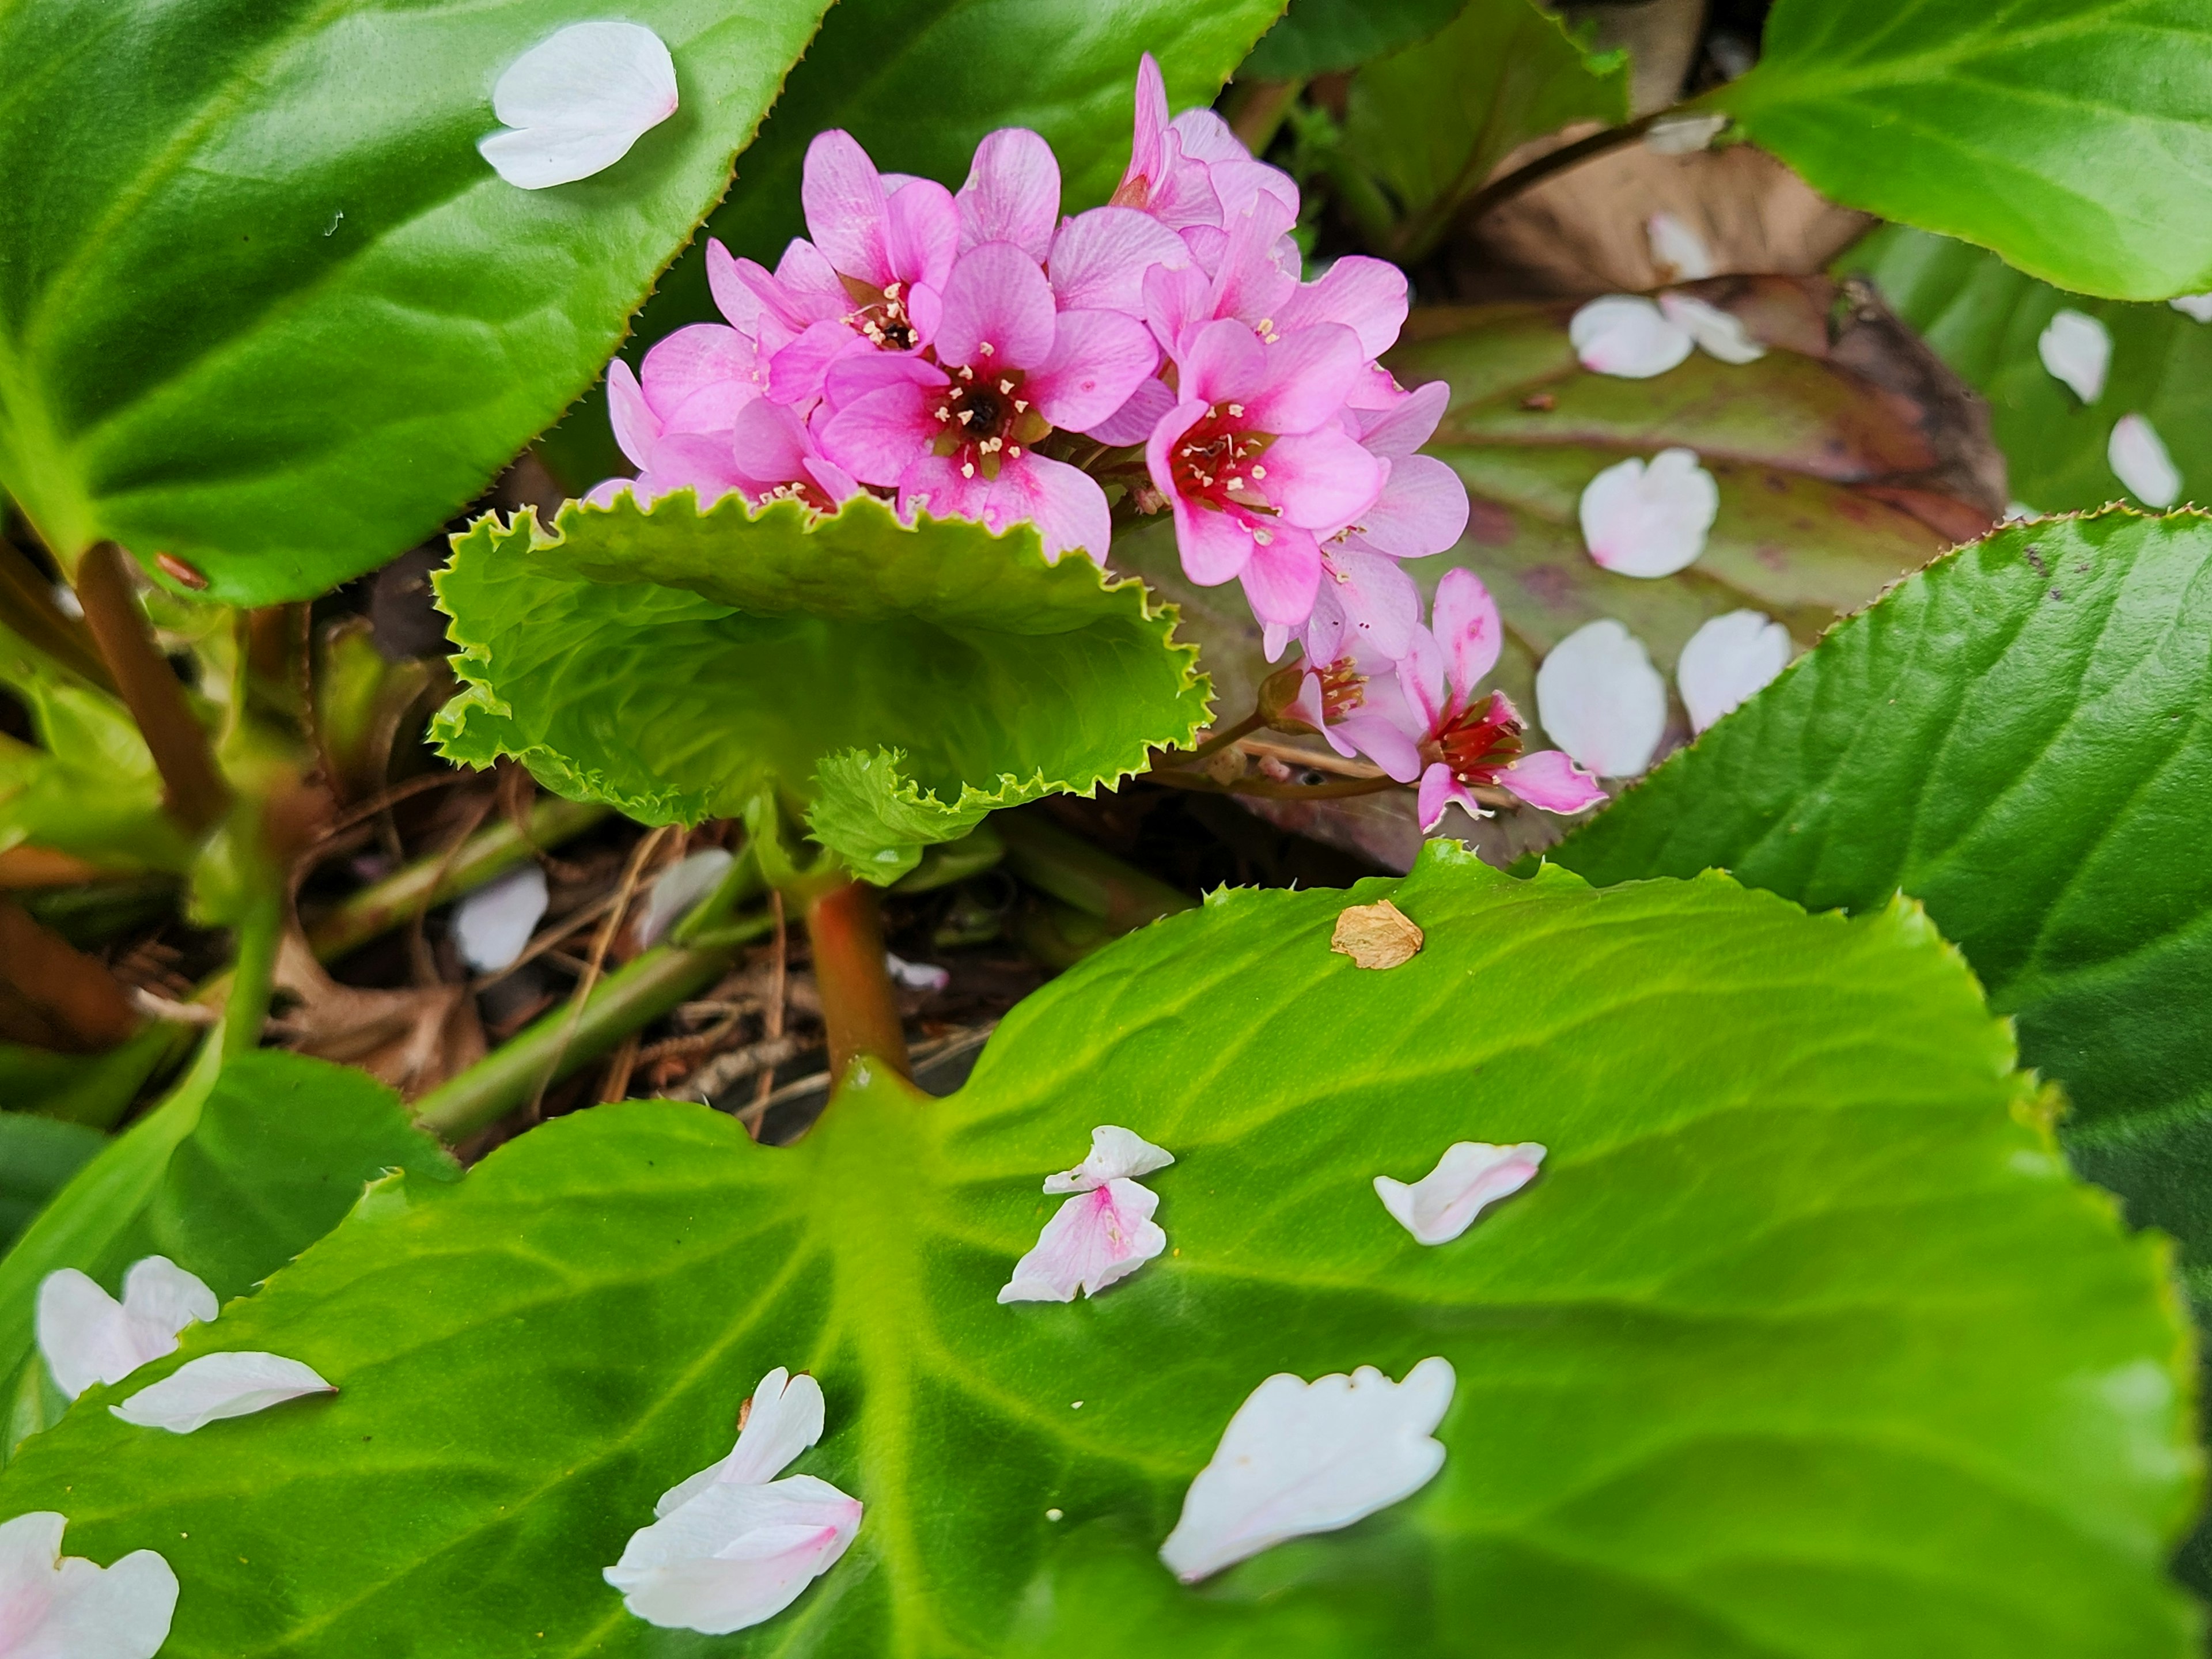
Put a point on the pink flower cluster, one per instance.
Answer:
(972, 355)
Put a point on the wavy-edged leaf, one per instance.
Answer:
(265, 307)
(2073, 136)
(1802, 1344)
(1985, 318)
(677, 663)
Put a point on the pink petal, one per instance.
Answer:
(1116, 1154)
(921, 234)
(1718, 333)
(697, 378)
(1221, 362)
(996, 298)
(700, 462)
(1133, 422)
(844, 202)
(1464, 623)
(806, 277)
(1012, 193)
(1650, 520)
(1206, 137)
(1151, 121)
(1421, 676)
(1282, 575)
(1601, 700)
(1182, 196)
(1470, 1177)
(797, 373)
(1215, 546)
(1093, 1240)
(1367, 296)
(1383, 741)
(1099, 359)
(636, 428)
(1379, 605)
(935, 485)
(1440, 789)
(1248, 283)
(854, 376)
(1407, 422)
(1160, 446)
(1422, 510)
(1547, 779)
(784, 1416)
(1624, 335)
(1100, 259)
(215, 1385)
(1728, 660)
(1241, 182)
(2139, 459)
(735, 1555)
(1308, 377)
(1065, 502)
(770, 445)
(738, 302)
(1178, 302)
(1320, 480)
(876, 437)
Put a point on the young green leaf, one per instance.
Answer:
(1317, 37)
(265, 307)
(1802, 1343)
(2061, 133)
(1987, 319)
(903, 681)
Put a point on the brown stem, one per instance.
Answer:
(847, 935)
(1221, 740)
(1275, 791)
(85, 1004)
(194, 792)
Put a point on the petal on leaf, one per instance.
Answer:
(1601, 700)
(1625, 335)
(574, 103)
(1649, 519)
(1470, 1177)
(2077, 349)
(57, 1607)
(2139, 460)
(1727, 660)
(1093, 1240)
(1116, 1154)
(735, 1555)
(218, 1385)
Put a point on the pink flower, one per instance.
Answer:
(1423, 506)
(1254, 464)
(667, 460)
(956, 437)
(1192, 170)
(776, 458)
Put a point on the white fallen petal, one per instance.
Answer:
(218, 1385)
(782, 1420)
(492, 925)
(1627, 335)
(2140, 461)
(2198, 305)
(1600, 700)
(2077, 349)
(1679, 252)
(1718, 333)
(735, 1555)
(1470, 1177)
(917, 975)
(1116, 1154)
(1728, 660)
(88, 1337)
(2018, 511)
(574, 103)
(676, 890)
(58, 1607)
(1682, 135)
(1092, 1240)
(1304, 1457)
(1649, 519)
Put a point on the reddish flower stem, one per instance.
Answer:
(847, 933)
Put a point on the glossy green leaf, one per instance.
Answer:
(2073, 136)
(236, 1172)
(1803, 1344)
(38, 1155)
(264, 308)
(1985, 318)
(903, 681)
(1317, 37)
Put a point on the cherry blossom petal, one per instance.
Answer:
(676, 890)
(1065, 502)
(86, 1336)
(1132, 424)
(1727, 660)
(921, 234)
(492, 925)
(1649, 519)
(1627, 335)
(1470, 1177)
(58, 1607)
(1552, 782)
(1717, 333)
(2139, 460)
(876, 437)
(1302, 1457)
(1283, 574)
(1367, 296)
(1099, 359)
(636, 428)
(1679, 252)
(1012, 193)
(735, 1555)
(998, 310)
(1601, 700)
(575, 102)
(218, 1385)
(783, 1418)
(1100, 259)
(1093, 1240)
(1116, 1154)
(2077, 349)
(845, 203)
(2198, 305)
(1422, 509)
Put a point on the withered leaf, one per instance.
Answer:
(1378, 935)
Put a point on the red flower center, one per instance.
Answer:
(1478, 743)
(1217, 463)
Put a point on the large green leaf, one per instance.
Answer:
(245, 1165)
(2071, 136)
(1803, 1344)
(1317, 36)
(1985, 318)
(38, 1155)
(264, 306)
(679, 663)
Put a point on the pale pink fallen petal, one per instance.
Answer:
(86, 1336)
(1682, 135)
(575, 102)
(62, 1607)
(676, 890)
(2139, 460)
(1600, 700)
(1116, 1154)
(784, 1418)
(1651, 518)
(1302, 1457)
(1011, 194)
(1627, 335)
(1550, 781)
(161, 1297)
(1093, 1239)
(2077, 349)
(218, 1385)
(735, 1555)
(1718, 333)
(2198, 305)
(492, 925)
(916, 975)
(1679, 252)
(1728, 660)
(1470, 1177)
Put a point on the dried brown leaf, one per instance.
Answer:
(1378, 935)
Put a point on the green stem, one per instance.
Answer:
(565, 1041)
(1093, 881)
(253, 975)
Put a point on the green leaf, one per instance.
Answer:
(36, 1156)
(235, 1174)
(265, 307)
(1317, 37)
(1985, 318)
(1802, 1344)
(94, 1089)
(2016, 737)
(2071, 136)
(1429, 122)
(677, 663)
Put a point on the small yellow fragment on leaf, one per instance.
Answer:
(1378, 935)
